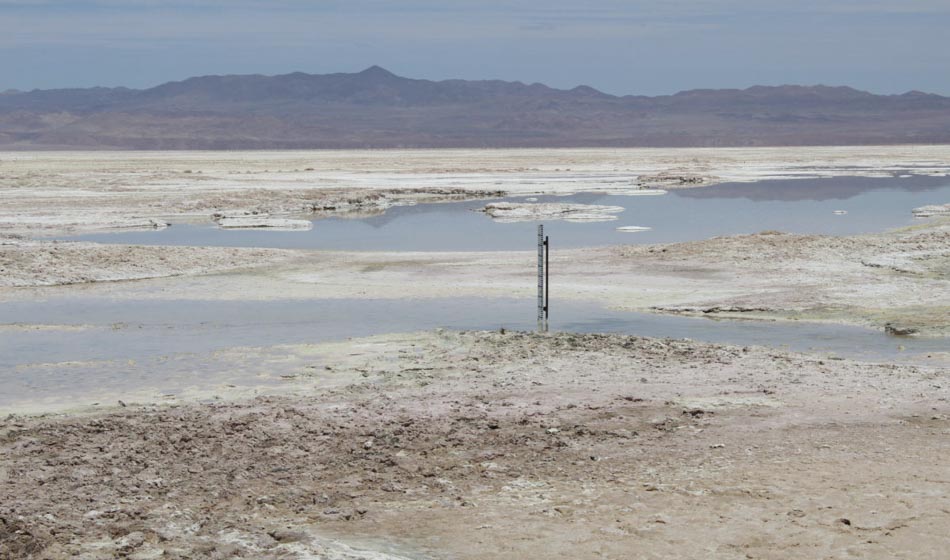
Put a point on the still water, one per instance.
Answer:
(170, 345)
(795, 206)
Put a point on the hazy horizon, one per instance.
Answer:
(619, 94)
(640, 47)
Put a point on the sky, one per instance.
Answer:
(647, 47)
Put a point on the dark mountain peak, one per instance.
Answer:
(587, 90)
(920, 95)
(815, 92)
(777, 94)
(376, 108)
(376, 72)
(791, 88)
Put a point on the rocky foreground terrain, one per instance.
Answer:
(503, 445)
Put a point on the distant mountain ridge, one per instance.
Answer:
(378, 109)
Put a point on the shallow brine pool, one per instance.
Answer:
(82, 347)
(794, 206)
(100, 346)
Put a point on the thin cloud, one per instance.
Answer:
(622, 46)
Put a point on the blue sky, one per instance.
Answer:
(636, 46)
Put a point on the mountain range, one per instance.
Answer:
(378, 109)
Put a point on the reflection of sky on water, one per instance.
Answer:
(838, 188)
(796, 206)
(171, 344)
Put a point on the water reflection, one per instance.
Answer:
(838, 188)
(795, 206)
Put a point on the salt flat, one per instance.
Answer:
(51, 193)
(419, 445)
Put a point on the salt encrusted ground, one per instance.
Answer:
(50, 193)
(490, 444)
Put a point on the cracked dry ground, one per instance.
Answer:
(504, 445)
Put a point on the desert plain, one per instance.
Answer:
(480, 444)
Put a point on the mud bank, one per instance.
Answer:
(932, 211)
(490, 445)
(263, 222)
(35, 263)
(900, 278)
(528, 212)
(69, 192)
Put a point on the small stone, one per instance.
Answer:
(899, 330)
(131, 541)
(288, 535)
